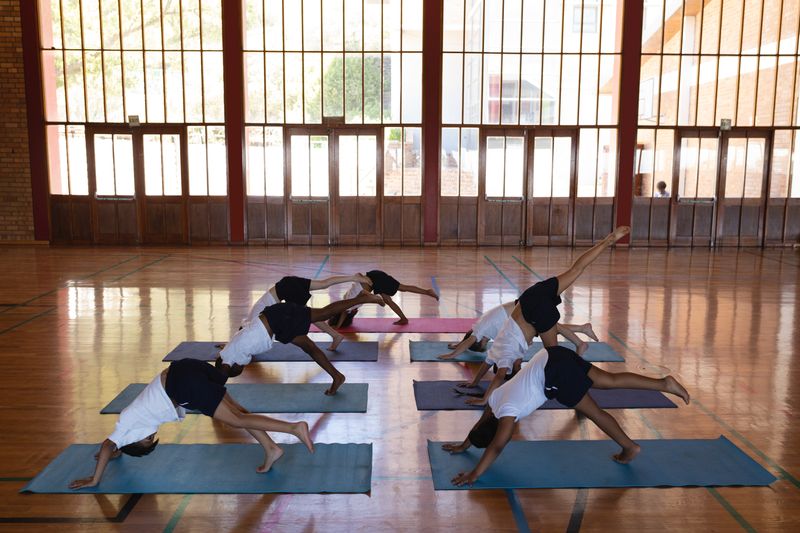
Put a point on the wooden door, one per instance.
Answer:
(501, 187)
(164, 204)
(552, 156)
(695, 187)
(356, 210)
(309, 156)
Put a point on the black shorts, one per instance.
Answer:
(288, 320)
(294, 289)
(539, 305)
(566, 376)
(195, 385)
(383, 283)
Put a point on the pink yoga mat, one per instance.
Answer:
(415, 325)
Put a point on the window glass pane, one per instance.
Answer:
(451, 88)
(731, 34)
(50, 24)
(514, 165)
(784, 92)
(190, 20)
(495, 166)
(728, 77)
(710, 28)
(766, 90)
(611, 24)
(333, 15)
(171, 157)
(55, 100)
(587, 163)
(491, 88)
(453, 26)
(273, 24)
(412, 25)
(588, 89)
(353, 75)
(795, 187)
(75, 96)
(294, 88)
(687, 91)
(198, 177)
(76, 148)
(312, 25)
(154, 75)
(469, 162)
(94, 86)
(273, 158)
(789, 24)
(391, 87)
(372, 88)
(512, 26)
(123, 165)
(152, 165)
(747, 91)
(110, 18)
(312, 78)
(151, 15)
(531, 90)
(609, 89)
(333, 97)
(213, 98)
(353, 24)
(193, 88)
(104, 165)
(254, 87)
(254, 152)
(492, 25)
(90, 15)
(607, 163)
(348, 165)
(570, 75)
(300, 165)
(174, 86)
(449, 171)
(542, 167)
(510, 89)
(134, 85)
(171, 20)
(412, 88)
(562, 151)
(393, 162)
(412, 162)
(550, 89)
(552, 26)
(211, 17)
(668, 105)
(373, 40)
(274, 97)
(367, 169)
(532, 25)
(391, 25)
(707, 93)
(473, 26)
(780, 166)
(57, 159)
(472, 88)
(131, 18)
(318, 165)
(217, 162)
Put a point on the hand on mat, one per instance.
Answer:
(476, 401)
(446, 356)
(453, 447)
(220, 346)
(83, 483)
(401, 322)
(464, 479)
(466, 385)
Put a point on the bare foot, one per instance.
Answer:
(336, 342)
(619, 233)
(337, 382)
(269, 459)
(302, 433)
(581, 348)
(587, 330)
(628, 455)
(432, 294)
(672, 386)
(401, 322)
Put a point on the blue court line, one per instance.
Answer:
(120, 517)
(513, 285)
(31, 319)
(580, 508)
(516, 510)
(319, 270)
(529, 269)
(176, 517)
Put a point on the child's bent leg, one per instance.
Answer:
(334, 309)
(317, 284)
(418, 290)
(396, 308)
(567, 333)
(248, 421)
(629, 380)
(610, 427)
(568, 278)
(336, 337)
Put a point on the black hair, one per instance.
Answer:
(139, 449)
(482, 435)
(232, 371)
(348, 318)
(661, 185)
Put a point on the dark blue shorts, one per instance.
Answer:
(566, 376)
(195, 385)
(539, 305)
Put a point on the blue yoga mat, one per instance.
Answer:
(275, 398)
(564, 464)
(448, 396)
(347, 351)
(427, 351)
(213, 469)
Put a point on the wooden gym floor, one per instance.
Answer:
(78, 324)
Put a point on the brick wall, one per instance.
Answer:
(16, 212)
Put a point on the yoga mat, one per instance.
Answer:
(274, 398)
(427, 351)
(415, 325)
(444, 396)
(213, 469)
(347, 351)
(588, 464)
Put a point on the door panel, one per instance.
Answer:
(355, 198)
(502, 189)
(695, 182)
(551, 186)
(742, 206)
(112, 172)
(309, 156)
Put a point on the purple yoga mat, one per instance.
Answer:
(347, 351)
(448, 396)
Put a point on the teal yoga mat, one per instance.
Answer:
(347, 351)
(587, 464)
(213, 469)
(426, 351)
(275, 398)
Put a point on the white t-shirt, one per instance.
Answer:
(252, 339)
(144, 414)
(522, 394)
(354, 290)
(266, 300)
(508, 346)
(490, 322)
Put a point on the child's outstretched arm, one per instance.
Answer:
(504, 431)
(478, 375)
(460, 348)
(107, 451)
(498, 379)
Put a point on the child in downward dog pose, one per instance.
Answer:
(288, 323)
(298, 290)
(553, 373)
(193, 385)
(487, 327)
(381, 283)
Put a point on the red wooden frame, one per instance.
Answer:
(233, 75)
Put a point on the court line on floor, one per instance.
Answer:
(31, 319)
(120, 517)
(319, 270)
(728, 507)
(151, 263)
(70, 283)
(517, 511)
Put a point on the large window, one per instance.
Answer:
(106, 61)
